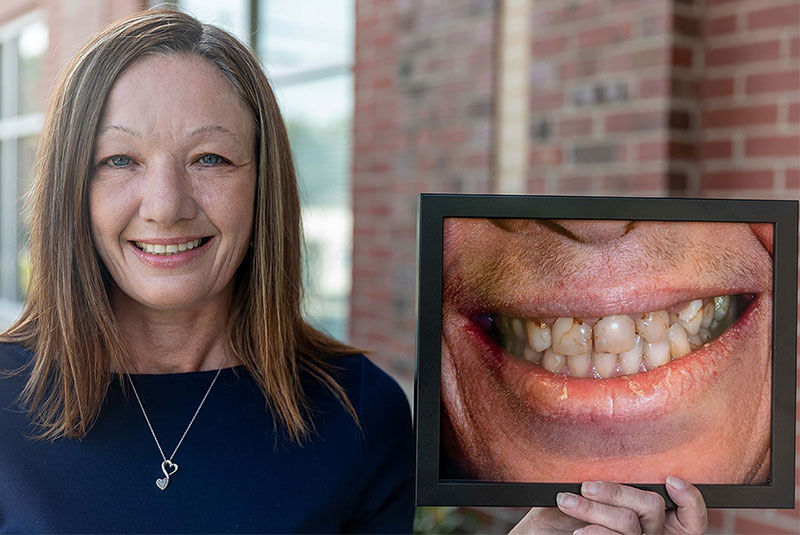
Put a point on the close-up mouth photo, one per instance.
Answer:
(575, 350)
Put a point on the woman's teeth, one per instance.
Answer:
(620, 344)
(167, 250)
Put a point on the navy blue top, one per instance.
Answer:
(236, 474)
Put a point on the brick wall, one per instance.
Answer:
(423, 122)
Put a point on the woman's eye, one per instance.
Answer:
(119, 161)
(211, 159)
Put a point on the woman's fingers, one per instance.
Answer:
(691, 515)
(618, 519)
(648, 506)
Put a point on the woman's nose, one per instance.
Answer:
(166, 194)
(593, 231)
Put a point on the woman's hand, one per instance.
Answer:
(606, 508)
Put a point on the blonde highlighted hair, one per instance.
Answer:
(67, 321)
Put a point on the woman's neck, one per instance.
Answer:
(174, 341)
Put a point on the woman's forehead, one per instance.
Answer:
(179, 94)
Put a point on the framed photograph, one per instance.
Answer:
(570, 339)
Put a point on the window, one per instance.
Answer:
(23, 43)
(307, 51)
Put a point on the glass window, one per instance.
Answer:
(23, 44)
(307, 50)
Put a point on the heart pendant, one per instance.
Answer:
(169, 468)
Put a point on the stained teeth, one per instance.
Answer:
(613, 345)
(708, 315)
(169, 249)
(656, 354)
(605, 364)
(539, 335)
(630, 361)
(678, 341)
(721, 305)
(652, 326)
(571, 337)
(553, 361)
(580, 365)
(614, 334)
(691, 316)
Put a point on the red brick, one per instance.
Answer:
(793, 182)
(716, 150)
(547, 101)
(711, 3)
(772, 146)
(717, 87)
(574, 184)
(578, 68)
(544, 155)
(741, 116)
(721, 25)
(794, 112)
(575, 127)
(654, 87)
(635, 183)
(606, 35)
(635, 121)
(548, 47)
(715, 518)
(681, 56)
(651, 150)
(759, 179)
(787, 15)
(747, 53)
(746, 526)
(773, 81)
(794, 47)
(688, 26)
(659, 150)
(575, 11)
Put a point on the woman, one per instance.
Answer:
(168, 374)
(166, 381)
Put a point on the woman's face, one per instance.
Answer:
(172, 193)
(547, 370)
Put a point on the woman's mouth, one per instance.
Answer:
(615, 345)
(170, 248)
(627, 359)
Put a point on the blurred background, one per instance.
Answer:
(385, 99)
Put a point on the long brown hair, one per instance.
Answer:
(67, 321)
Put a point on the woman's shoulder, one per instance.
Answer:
(369, 387)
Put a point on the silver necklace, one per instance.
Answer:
(167, 466)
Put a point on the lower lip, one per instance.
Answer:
(621, 399)
(170, 261)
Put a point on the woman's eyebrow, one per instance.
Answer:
(129, 131)
(213, 128)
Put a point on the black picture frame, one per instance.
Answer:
(432, 211)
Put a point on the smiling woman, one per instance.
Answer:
(165, 254)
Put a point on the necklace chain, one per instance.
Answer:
(168, 462)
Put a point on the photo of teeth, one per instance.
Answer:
(620, 344)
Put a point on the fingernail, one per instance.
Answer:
(567, 500)
(577, 531)
(592, 487)
(676, 483)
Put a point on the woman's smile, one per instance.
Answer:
(571, 360)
